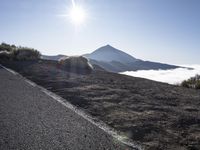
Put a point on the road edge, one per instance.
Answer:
(98, 123)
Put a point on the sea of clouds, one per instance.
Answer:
(172, 76)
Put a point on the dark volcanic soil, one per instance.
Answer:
(158, 115)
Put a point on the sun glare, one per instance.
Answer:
(77, 15)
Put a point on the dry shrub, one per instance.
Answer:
(5, 55)
(193, 82)
(26, 54)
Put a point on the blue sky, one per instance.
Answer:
(157, 30)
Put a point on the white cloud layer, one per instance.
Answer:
(172, 76)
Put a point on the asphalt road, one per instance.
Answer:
(32, 120)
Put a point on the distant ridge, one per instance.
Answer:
(114, 60)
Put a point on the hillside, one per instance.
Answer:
(155, 115)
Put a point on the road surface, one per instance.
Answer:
(32, 120)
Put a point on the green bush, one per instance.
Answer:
(23, 53)
(193, 82)
(5, 55)
(5, 47)
(13, 52)
(185, 84)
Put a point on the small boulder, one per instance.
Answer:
(76, 64)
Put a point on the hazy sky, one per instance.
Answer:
(156, 30)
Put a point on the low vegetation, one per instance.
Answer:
(193, 82)
(23, 53)
(12, 52)
(7, 47)
(5, 55)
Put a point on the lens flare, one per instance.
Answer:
(77, 15)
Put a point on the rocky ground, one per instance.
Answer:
(157, 115)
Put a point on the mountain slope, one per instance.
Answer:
(108, 54)
(114, 60)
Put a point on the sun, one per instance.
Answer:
(77, 15)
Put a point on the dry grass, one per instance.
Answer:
(158, 115)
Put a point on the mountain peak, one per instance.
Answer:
(107, 47)
(108, 53)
